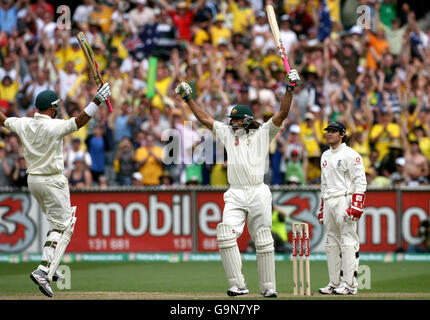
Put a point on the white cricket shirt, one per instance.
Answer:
(42, 139)
(342, 172)
(247, 155)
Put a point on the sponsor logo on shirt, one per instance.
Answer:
(324, 164)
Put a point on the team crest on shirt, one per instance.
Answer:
(236, 141)
(324, 164)
(357, 161)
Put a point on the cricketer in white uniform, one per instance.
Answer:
(343, 184)
(42, 140)
(248, 198)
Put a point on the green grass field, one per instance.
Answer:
(204, 280)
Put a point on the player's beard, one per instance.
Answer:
(238, 130)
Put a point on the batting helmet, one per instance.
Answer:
(46, 99)
(241, 111)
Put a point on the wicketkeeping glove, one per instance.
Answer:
(320, 213)
(293, 80)
(184, 90)
(102, 94)
(357, 206)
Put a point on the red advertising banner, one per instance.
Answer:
(415, 208)
(378, 227)
(132, 221)
(170, 221)
(210, 206)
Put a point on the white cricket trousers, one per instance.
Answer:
(250, 203)
(342, 243)
(52, 194)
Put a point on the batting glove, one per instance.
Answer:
(184, 90)
(320, 214)
(357, 206)
(293, 80)
(102, 94)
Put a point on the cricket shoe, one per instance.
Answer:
(40, 278)
(329, 289)
(58, 276)
(345, 289)
(269, 293)
(236, 291)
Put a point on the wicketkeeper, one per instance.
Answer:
(42, 140)
(343, 185)
(248, 198)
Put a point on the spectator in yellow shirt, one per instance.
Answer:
(218, 31)
(423, 140)
(8, 89)
(200, 30)
(311, 138)
(383, 133)
(101, 16)
(70, 51)
(162, 85)
(149, 159)
(243, 16)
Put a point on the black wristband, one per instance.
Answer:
(186, 98)
(96, 101)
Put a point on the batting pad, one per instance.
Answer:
(350, 265)
(62, 245)
(48, 249)
(334, 263)
(265, 259)
(230, 255)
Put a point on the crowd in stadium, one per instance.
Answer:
(374, 77)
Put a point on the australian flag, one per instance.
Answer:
(325, 24)
(141, 45)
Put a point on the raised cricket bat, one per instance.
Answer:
(276, 36)
(92, 63)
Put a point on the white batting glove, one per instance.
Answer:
(293, 80)
(184, 90)
(103, 93)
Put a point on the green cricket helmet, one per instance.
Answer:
(46, 99)
(241, 111)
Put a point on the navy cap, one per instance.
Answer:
(336, 126)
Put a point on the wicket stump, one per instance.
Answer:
(303, 241)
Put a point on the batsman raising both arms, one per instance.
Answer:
(343, 184)
(248, 198)
(42, 140)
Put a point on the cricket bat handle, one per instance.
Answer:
(109, 105)
(286, 64)
(284, 59)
